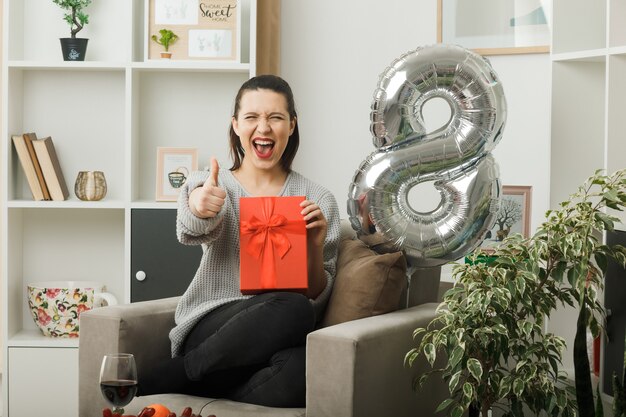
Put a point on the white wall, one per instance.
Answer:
(332, 54)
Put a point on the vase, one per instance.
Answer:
(90, 185)
(74, 49)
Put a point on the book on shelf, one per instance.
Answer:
(27, 165)
(51, 168)
(29, 138)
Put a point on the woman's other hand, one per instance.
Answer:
(316, 227)
(207, 201)
(316, 223)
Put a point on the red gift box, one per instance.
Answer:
(273, 249)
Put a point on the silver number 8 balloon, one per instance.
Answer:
(456, 157)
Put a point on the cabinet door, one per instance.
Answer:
(169, 266)
(43, 382)
(614, 300)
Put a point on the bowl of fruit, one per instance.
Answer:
(155, 410)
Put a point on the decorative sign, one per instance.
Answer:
(206, 29)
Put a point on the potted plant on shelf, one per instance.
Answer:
(490, 324)
(167, 38)
(74, 48)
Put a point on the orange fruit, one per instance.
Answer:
(159, 410)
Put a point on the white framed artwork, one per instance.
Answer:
(210, 43)
(173, 168)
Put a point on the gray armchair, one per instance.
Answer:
(354, 369)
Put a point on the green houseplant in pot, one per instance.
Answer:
(571, 246)
(491, 323)
(166, 39)
(74, 48)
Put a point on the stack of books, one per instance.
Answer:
(41, 167)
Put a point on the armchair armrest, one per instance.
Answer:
(139, 328)
(357, 368)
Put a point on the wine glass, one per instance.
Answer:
(118, 380)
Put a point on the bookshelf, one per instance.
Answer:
(588, 101)
(105, 114)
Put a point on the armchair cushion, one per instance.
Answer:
(366, 284)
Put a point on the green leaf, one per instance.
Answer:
(511, 287)
(525, 326)
(521, 285)
(468, 390)
(482, 337)
(444, 404)
(457, 355)
(459, 335)
(505, 386)
(611, 195)
(418, 383)
(430, 352)
(499, 328)
(475, 368)
(454, 381)
(518, 386)
(554, 365)
(457, 411)
(551, 404)
(418, 331)
(613, 205)
(601, 260)
(520, 365)
(572, 276)
(557, 272)
(606, 219)
(410, 357)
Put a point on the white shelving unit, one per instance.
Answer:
(109, 113)
(588, 91)
(588, 106)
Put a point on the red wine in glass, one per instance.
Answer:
(119, 392)
(118, 380)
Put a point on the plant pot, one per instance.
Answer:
(166, 55)
(74, 49)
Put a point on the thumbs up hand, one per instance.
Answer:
(207, 201)
(215, 169)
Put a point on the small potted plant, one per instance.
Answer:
(167, 38)
(74, 48)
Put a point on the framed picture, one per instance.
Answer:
(513, 216)
(210, 29)
(494, 27)
(173, 167)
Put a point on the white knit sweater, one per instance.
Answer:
(217, 280)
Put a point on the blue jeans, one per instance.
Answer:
(250, 350)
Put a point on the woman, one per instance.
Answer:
(225, 344)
